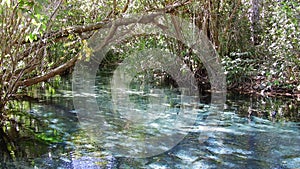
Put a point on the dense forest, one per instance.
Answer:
(257, 41)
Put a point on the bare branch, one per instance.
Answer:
(53, 15)
(114, 7)
(50, 74)
(126, 6)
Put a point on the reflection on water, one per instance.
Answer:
(244, 135)
(139, 119)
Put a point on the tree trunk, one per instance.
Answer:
(214, 22)
(254, 19)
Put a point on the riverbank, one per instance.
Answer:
(260, 86)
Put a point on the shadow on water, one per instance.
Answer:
(45, 133)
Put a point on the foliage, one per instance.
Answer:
(34, 43)
(238, 70)
(282, 40)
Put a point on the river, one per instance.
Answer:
(49, 132)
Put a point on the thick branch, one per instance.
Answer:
(104, 24)
(92, 27)
(50, 74)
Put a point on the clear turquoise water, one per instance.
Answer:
(232, 140)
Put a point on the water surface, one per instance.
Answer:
(49, 133)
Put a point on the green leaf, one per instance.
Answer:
(31, 37)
